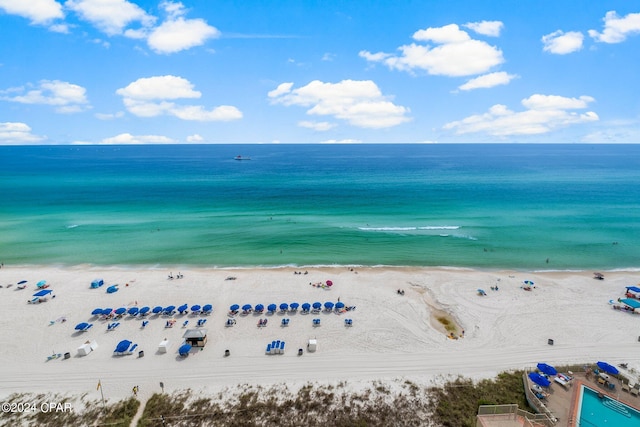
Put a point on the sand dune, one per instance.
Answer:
(393, 336)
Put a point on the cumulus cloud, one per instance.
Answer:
(127, 138)
(543, 114)
(109, 116)
(341, 141)
(486, 28)
(17, 133)
(110, 16)
(37, 11)
(177, 33)
(155, 96)
(451, 52)
(488, 80)
(616, 28)
(562, 43)
(195, 138)
(317, 126)
(359, 103)
(65, 97)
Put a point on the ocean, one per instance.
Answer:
(488, 206)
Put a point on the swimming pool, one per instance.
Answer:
(596, 412)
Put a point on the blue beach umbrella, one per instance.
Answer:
(183, 308)
(96, 312)
(22, 282)
(609, 369)
(547, 369)
(184, 350)
(195, 307)
(284, 306)
(123, 346)
(81, 326)
(328, 305)
(120, 310)
(317, 305)
(112, 289)
(169, 309)
(539, 379)
(259, 307)
(271, 307)
(107, 311)
(207, 308)
(144, 310)
(294, 306)
(339, 305)
(42, 293)
(133, 311)
(247, 307)
(528, 282)
(157, 309)
(234, 307)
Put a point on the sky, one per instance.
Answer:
(296, 71)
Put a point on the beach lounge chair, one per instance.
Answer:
(230, 322)
(634, 390)
(316, 322)
(185, 323)
(285, 322)
(112, 326)
(625, 387)
(201, 322)
(145, 323)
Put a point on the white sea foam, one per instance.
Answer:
(426, 228)
(72, 226)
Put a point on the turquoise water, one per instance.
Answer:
(596, 412)
(475, 205)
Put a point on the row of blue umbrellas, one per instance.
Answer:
(156, 310)
(284, 306)
(542, 381)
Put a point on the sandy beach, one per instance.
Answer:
(393, 336)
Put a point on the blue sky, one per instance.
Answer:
(294, 71)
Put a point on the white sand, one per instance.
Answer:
(392, 336)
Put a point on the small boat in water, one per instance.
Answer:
(241, 158)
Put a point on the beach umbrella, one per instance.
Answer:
(234, 307)
(306, 306)
(528, 282)
(284, 306)
(133, 311)
(107, 311)
(184, 350)
(123, 346)
(271, 307)
(42, 293)
(41, 283)
(81, 326)
(247, 307)
(339, 305)
(111, 289)
(183, 308)
(259, 307)
(547, 369)
(195, 307)
(207, 308)
(22, 282)
(169, 309)
(317, 305)
(157, 309)
(96, 312)
(539, 379)
(328, 305)
(329, 283)
(294, 306)
(144, 310)
(120, 310)
(609, 369)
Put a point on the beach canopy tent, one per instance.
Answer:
(539, 379)
(196, 337)
(234, 307)
(122, 346)
(547, 369)
(284, 306)
(184, 350)
(328, 305)
(120, 311)
(635, 304)
(96, 283)
(317, 305)
(42, 293)
(41, 284)
(96, 312)
(609, 369)
(111, 289)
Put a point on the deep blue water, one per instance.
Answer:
(475, 205)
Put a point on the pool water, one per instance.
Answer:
(597, 412)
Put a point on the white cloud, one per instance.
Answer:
(341, 141)
(65, 97)
(455, 53)
(109, 116)
(544, 113)
(486, 28)
(488, 80)
(195, 138)
(562, 43)
(17, 133)
(110, 16)
(177, 33)
(359, 103)
(154, 96)
(317, 126)
(616, 29)
(127, 138)
(38, 11)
